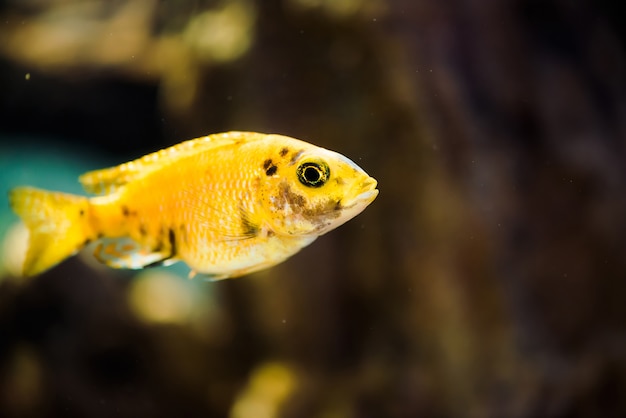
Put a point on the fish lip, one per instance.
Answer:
(368, 194)
(369, 189)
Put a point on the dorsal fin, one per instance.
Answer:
(108, 180)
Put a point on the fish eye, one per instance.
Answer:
(313, 174)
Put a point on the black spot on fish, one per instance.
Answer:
(82, 212)
(269, 167)
(271, 171)
(127, 212)
(86, 242)
(142, 230)
(249, 228)
(270, 233)
(284, 151)
(337, 205)
(172, 239)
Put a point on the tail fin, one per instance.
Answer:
(57, 222)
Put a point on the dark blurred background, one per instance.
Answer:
(487, 279)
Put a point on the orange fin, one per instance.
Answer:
(108, 180)
(57, 224)
(126, 253)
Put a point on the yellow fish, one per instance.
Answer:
(226, 204)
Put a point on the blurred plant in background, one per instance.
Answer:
(488, 278)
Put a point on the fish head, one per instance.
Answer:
(314, 190)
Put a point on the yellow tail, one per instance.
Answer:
(58, 224)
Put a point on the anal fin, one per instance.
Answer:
(126, 253)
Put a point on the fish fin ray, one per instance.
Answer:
(126, 253)
(56, 223)
(107, 180)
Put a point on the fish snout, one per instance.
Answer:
(365, 192)
(369, 184)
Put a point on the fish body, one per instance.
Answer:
(226, 204)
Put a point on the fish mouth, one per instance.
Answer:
(368, 193)
(369, 190)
